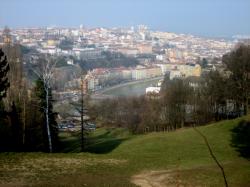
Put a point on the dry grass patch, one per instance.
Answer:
(32, 170)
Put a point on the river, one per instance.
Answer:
(136, 88)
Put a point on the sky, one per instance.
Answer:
(216, 18)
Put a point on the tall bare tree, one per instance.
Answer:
(81, 107)
(45, 74)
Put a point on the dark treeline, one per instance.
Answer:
(217, 95)
(109, 60)
(22, 107)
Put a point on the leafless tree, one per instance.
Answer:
(81, 106)
(45, 73)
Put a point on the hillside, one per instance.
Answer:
(117, 158)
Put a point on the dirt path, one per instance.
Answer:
(155, 179)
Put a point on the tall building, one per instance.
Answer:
(142, 28)
(6, 35)
(153, 72)
(138, 74)
(144, 48)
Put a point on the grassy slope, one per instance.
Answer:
(122, 155)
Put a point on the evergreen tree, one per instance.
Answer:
(4, 69)
(16, 128)
(4, 85)
(41, 94)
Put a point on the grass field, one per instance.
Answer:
(116, 158)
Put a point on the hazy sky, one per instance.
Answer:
(200, 17)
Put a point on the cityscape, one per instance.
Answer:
(157, 52)
(145, 93)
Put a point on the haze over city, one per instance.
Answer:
(223, 18)
(132, 93)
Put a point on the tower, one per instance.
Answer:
(6, 35)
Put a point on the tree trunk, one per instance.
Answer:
(24, 120)
(47, 118)
(82, 127)
(246, 107)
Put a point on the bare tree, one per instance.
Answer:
(81, 106)
(45, 73)
(82, 113)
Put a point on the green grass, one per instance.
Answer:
(114, 155)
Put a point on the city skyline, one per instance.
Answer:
(206, 18)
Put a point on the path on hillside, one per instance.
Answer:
(155, 179)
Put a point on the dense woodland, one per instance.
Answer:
(28, 123)
(23, 107)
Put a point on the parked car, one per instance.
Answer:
(90, 126)
(64, 126)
